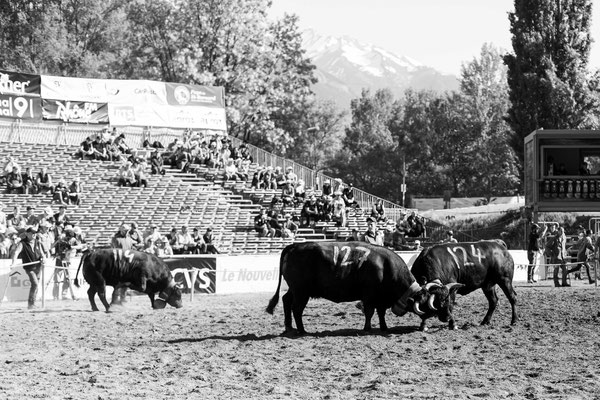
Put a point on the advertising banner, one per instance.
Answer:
(197, 117)
(19, 84)
(137, 92)
(20, 107)
(248, 274)
(75, 111)
(138, 115)
(206, 268)
(75, 89)
(194, 95)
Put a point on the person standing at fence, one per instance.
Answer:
(559, 261)
(534, 250)
(31, 254)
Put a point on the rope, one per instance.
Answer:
(552, 265)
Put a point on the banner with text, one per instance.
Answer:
(19, 84)
(206, 268)
(20, 107)
(75, 111)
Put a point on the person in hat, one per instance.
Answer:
(338, 209)
(585, 248)
(450, 237)
(151, 241)
(121, 239)
(31, 253)
(534, 249)
(373, 235)
(64, 248)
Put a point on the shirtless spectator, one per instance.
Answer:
(14, 181)
(86, 149)
(61, 192)
(29, 182)
(44, 181)
(126, 175)
(75, 192)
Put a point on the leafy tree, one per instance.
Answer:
(549, 84)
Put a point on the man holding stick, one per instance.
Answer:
(32, 255)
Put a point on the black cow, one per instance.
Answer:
(345, 271)
(137, 270)
(462, 268)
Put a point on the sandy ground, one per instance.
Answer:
(222, 347)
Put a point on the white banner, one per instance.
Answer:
(75, 89)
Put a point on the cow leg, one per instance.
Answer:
(490, 293)
(298, 305)
(511, 295)
(368, 310)
(423, 326)
(91, 294)
(151, 295)
(116, 298)
(381, 315)
(102, 295)
(287, 300)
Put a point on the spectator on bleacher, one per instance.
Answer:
(309, 214)
(47, 215)
(30, 218)
(338, 209)
(275, 223)
(354, 236)
(185, 240)
(11, 163)
(289, 228)
(373, 235)
(208, 239)
(324, 207)
(230, 172)
(151, 241)
(276, 204)
(245, 153)
(44, 181)
(113, 152)
(261, 224)
(287, 194)
(14, 181)
(255, 183)
(126, 175)
(399, 242)
(202, 154)
(61, 192)
(173, 237)
(156, 164)
(75, 192)
(279, 177)
(338, 185)
(5, 243)
(86, 149)
(3, 220)
(378, 211)
(100, 152)
(225, 152)
(243, 169)
(16, 220)
(214, 158)
(290, 175)
(299, 193)
(450, 237)
(139, 173)
(29, 182)
(416, 227)
(122, 144)
(121, 239)
(199, 242)
(137, 238)
(327, 190)
(348, 197)
(267, 179)
(11, 242)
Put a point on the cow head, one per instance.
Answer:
(171, 295)
(435, 299)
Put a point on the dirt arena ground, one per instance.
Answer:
(227, 347)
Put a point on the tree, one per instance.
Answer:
(549, 85)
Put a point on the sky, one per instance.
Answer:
(439, 33)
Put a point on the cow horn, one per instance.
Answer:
(430, 302)
(416, 308)
(449, 286)
(436, 283)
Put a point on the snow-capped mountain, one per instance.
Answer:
(345, 66)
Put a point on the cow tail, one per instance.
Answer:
(275, 299)
(76, 280)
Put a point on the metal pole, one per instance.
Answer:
(403, 181)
